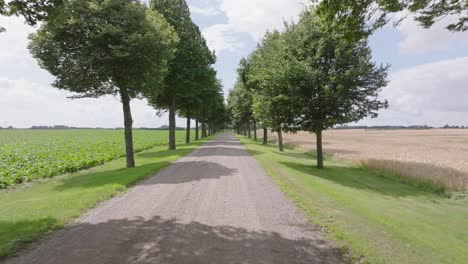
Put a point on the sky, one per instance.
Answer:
(428, 75)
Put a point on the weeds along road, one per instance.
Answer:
(216, 205)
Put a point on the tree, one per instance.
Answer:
(360, 18)
(183, 68)
(267, 76)
(204, 76)
(335, 80)
(112, 47)
(33, 11)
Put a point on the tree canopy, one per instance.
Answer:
(190, 68)
(362, 17)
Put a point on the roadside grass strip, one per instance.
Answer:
(377, 217)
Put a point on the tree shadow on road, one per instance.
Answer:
(199, 170)
(191, 171)
(168, 241)
(208, 151)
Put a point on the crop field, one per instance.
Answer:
(437, 156)
(26, 155)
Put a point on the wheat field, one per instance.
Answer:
(438, 156)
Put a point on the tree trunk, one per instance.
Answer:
(196, 130)
(280, 139)
(319, 150)
(172, 123)
(265, 136)
(128, 123)
(245, 130)
(248, 130)
(255, 130)
(203, 129)
(187, 136)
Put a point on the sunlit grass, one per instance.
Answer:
(374, 214)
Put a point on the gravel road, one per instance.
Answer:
(216, 205)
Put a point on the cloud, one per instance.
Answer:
(419, 40)
(222, 37)
(255, 17)
(251, 17)
(434, 94)
(25, 103)
(207, 11)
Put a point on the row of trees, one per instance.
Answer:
(318, 72)
(130, 50)
(307, 79)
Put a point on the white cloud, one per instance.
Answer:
(222, 37)
(433, 94)
(252, 17)
(206, 11)
(420, 40)
(438, 86)
(24, 104)
(257, 16)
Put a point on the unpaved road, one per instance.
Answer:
(216, 205)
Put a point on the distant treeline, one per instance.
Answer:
(68, 127)
(397, 127)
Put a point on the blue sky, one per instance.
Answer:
(428, 77)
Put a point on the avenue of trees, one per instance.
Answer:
(307, 78)
(314, 75)
(127, 49)
(318, 73)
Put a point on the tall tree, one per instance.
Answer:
(267, 76)
(183, 67)
(335, 80)
(112, 47)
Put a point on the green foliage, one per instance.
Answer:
(334, 80)
(375, 215)
(267, 76)
(96, 47)
(33, 11)
(191, 54)
(357, 18)
(27, 155)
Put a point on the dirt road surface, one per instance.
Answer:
(216, 205)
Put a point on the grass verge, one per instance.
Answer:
(379, 218)
(33, 210)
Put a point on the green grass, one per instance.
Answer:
(27, 155)
(30, 211)
(376, 216)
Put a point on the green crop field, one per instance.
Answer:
(26, 155)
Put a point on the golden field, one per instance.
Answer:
(439, 156)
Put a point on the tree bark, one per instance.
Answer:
(255, 130)
(196, 130)
(280, 139)
(172, 123)
(128, 123)
(319, 149)
(203, 129)
(265, 136)
(248, 130)
(187, 134)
